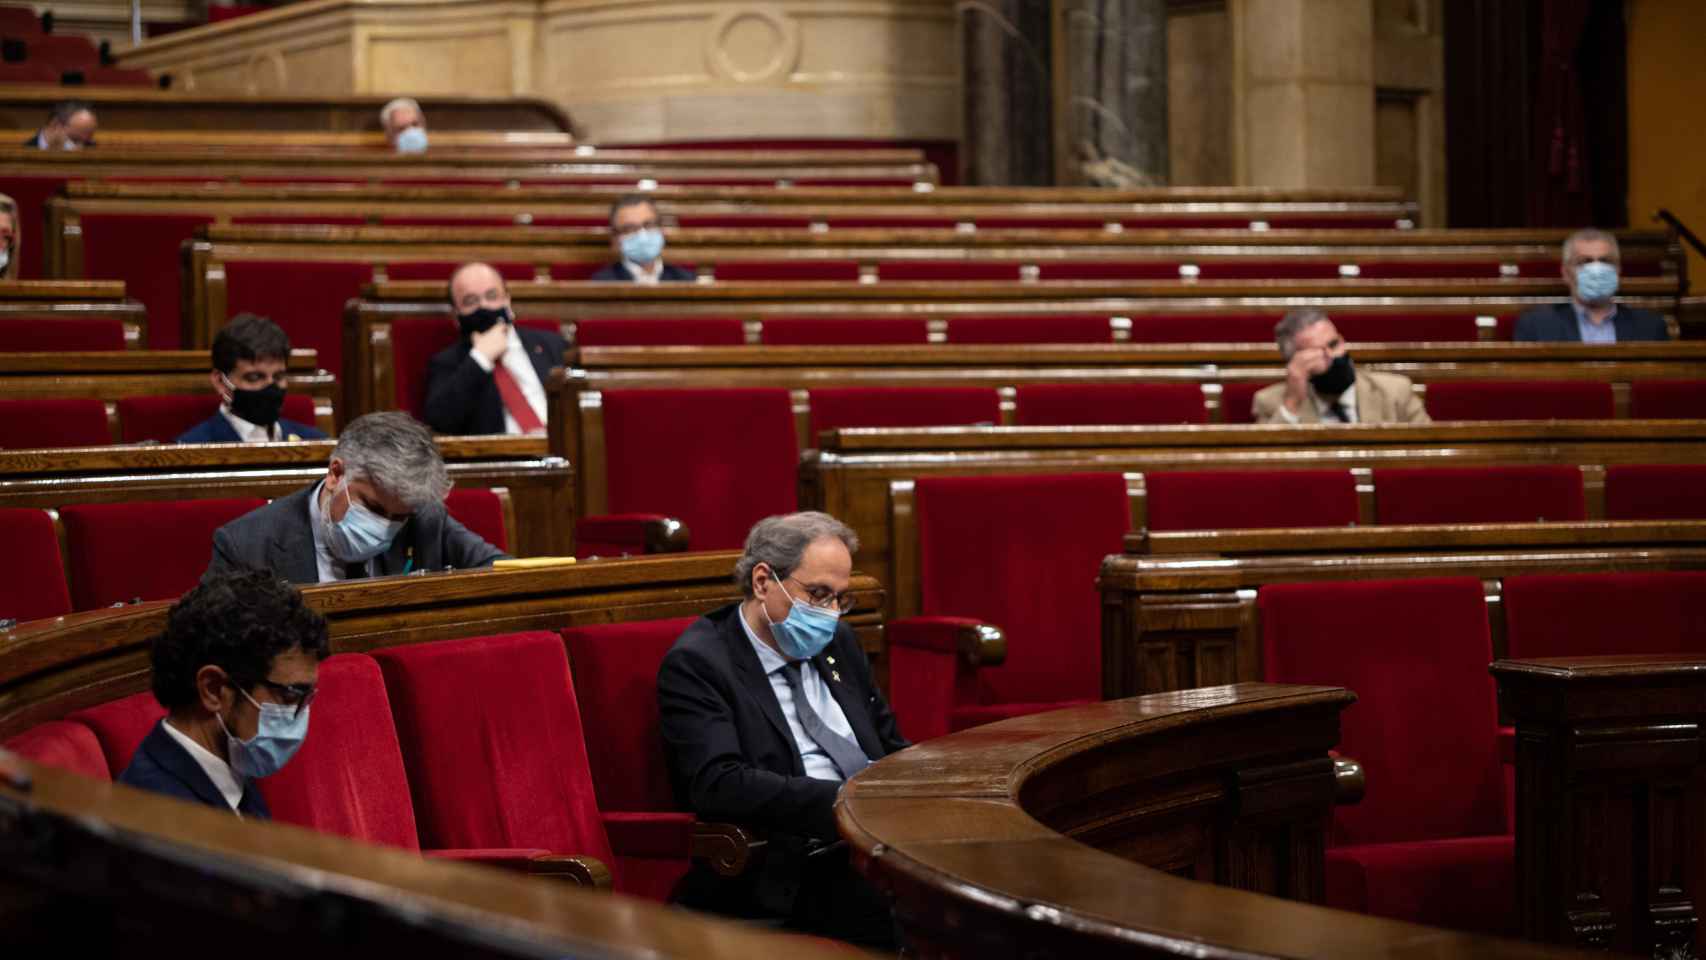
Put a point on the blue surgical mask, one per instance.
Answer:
(643, 246)
(360, 535)
(278, 735)
(412, 140)
(1596, 282)
(805, 631)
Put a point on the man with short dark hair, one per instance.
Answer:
(249, 360)
(379, 511)
(1590, 264)
(492, 380)
(767, 706)
(636, 237)
(235, 670)
(1322, 385)
(70, 126)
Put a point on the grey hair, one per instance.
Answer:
(780, 543)
(397, 454)
(395, 105)
(1589, 234)
(1294, 323)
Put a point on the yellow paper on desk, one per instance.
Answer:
(530, 563)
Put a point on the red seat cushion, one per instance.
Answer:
(1250, 499)
(1467, 883)
(1529, 494)
(32, 576)
(64, 746)
(1593, 614)
(1035, 328)
(142, 250)
(109, 564)
(304, 297)
(1520, 400)
(1203, 328)
(164, 419)
(43, 334)
(492, 742)
(347, 778)
(660, 331)
(1033, 574)
(1667, 399)
(1073, 404)
(735, 271)
(815, 331)
(77, 422)
(837, 407)
(482, 512)
(121, 725)
(718, 460)
(1655, 492)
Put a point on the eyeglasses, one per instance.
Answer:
(632, 228)
(298, 695)
(825, 599)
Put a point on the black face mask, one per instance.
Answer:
(260, 407)
(1336, 379)
(481, 320)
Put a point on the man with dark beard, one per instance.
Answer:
(1323, 386)
(492, 380)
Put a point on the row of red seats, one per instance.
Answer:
(144, 550)
(93, 76)
(83, 422)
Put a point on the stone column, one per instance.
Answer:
(1008, 102)
(1111, 92)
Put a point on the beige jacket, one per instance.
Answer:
(1381, 398)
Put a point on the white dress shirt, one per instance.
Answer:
(521, 369)
(641, 274)
(246, 431)
(1324, 407)
(817, 763)
(224, 778)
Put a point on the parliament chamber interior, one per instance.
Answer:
(1234, 470)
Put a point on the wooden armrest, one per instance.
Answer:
(978, 644)
(579, 870)
(728, 849)
(1349, 781)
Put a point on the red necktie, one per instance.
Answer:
(519, 409)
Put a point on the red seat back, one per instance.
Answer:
(816, 331)
(164, 419)
(152, 550)
(1033, 573)
(661, 331)
(492, 741)
(1109, 270)
(1602, 614)
(60, 334)
(66, 51)
(1667, 399)
(836, 407)
(1424, 726)
(1529, 494)
(1203, 328)
(414, 342)
(1050, 328)
(1655, 492)
(440, 270)
(77, 422)
(347, 778)
(121, 726)
(32, 576)
(1250, 499)
(19, 22)
(1237, 401)
(117, 77)
(1076, 404)
(929, 271)
(28, 73)
(616, 671)
(845, 271)
(306, 298)
(481, 511)
(1520, 400)
(1406, 327)
(31, 193)
(718, 460)
(64, 746)
(142, 250)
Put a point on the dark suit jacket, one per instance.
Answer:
(462, 398)
(732, 757)
(217, 429)
(162, 766)
(1556, 323)
(615, 271)
(278, 537)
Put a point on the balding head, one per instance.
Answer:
(476, 285)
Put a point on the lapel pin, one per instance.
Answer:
(835, 676)
(831, 660)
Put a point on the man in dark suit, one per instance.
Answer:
(71, 126)
(767, 706)
(249, 360)
(1593, 315)
(379, 511)
(492, 380)
(636, 237)
(235, 670)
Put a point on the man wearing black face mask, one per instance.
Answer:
(249, 360)
(492, 380)
(1322, 385)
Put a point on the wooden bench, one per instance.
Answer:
(130, 316)
(23, 106)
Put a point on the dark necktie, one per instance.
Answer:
(1338, 408)
(847, 756)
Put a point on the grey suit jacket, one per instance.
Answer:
(1556, 323)
(278, 537)
(1381, 398)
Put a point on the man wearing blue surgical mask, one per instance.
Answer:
(767, 706)
(636, 237)
(235, 669)
(1591, 267)
(405, 125)
(378, 512)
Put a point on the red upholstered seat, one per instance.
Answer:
(836, 407)
(440, 270)
(937, 270)
(481, 511)
(660, 331)
(117, 77)
(885, 223)
(1667, 399)
(1528, 494)
(19, 22)
(1203, 328)
(493, 746)
(76, 422)
(31, 194)
(414, 341)
(1655, 492)
(142, 250)
(733, 221)
(275, 219)
(1031, 328)
(153, 550)
(64, 746)
(305, 298)
(718, 460)
(1405, 327)
(1520, 400)
(165, 418)
(1250, 499)
(1109, 270)
(65, 51)
(1073, 404)
(817, 331)
(1238, 400)
(737, 270)
(28, 73)
(1429, 842)
(121, 725)
(1260, 269)
(615, 669)
(48, 334)
(1600, 614)
(1033, 574)
(1487, 268)
(32, 583)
